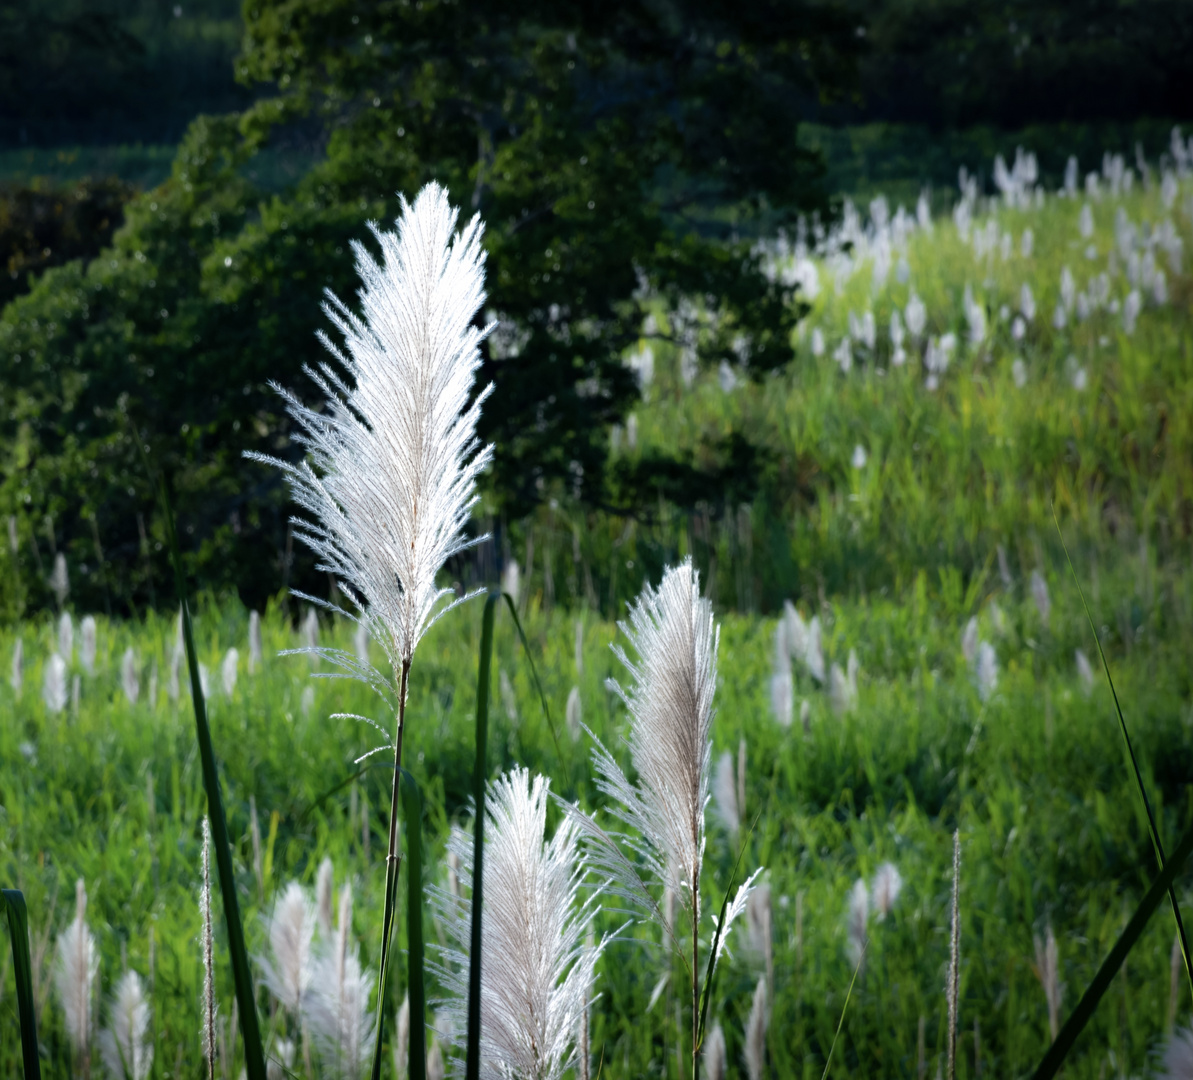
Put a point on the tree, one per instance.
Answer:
(615, 152)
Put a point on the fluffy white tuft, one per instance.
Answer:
(756, 1024)
(538, 971)
(88, 643)
(715, 1061)
(124, 1045)
(290, 928)
(75, 971)
(884, 891)
(393, 457)
(53, 683)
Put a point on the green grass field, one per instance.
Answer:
(894, 550)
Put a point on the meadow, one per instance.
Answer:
(957, 684)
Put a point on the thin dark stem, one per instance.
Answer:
(393, 856)
(695, 973)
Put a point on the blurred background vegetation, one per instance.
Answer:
(179, 182)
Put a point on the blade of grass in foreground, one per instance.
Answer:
(844, 1009)
(1157, 844)
(242, 976)
(18, 929)
(1059, 1050)
(472, 1061)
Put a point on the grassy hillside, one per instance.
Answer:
(920, 470)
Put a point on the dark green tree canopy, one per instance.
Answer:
(614, 152)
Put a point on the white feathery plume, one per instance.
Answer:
(436, 1068)
(228, 671)
(579, 647)
(88, 633)
(796, 631)
(60, 579)
(310, 631)
(509, 702)
(208, 939)
(760, 921)
(782, 688)
(360, 645)
(66, 637)
(402, 1041)
(255, 651)
(671, 710)
(53, 684)
(725, 795)
(838, 690)
(986, 670)
(715, 1059)
(324, 886)
(814, 656)
(280, 1064)
(756, 1024)
(391, 480)
(511, 579)
(338, 1008)
(969, 640)
(1084, 671)
(124, 1046)
(573, 714)
(74, 974)
(857, 919)
(290, 928)
(884, 891)
(16, 675)
(1047, 969)
(1039, 593)
(76, 689)
(1178, 1056)
(538, 970)
(128, 676)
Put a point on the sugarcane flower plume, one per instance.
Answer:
(291, 929)
(538, 969)
(124, 1045)
(393, 457)
(670, 703)
(75, 971)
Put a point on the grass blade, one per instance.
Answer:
(413, 811)
(18, 929)
(1157, 843)
(509, 600)
(1101, 983)
(844, 1009)
(391, 888)
(254, 1058)
(472, 1061)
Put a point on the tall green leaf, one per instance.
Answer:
(1073, 1027)
(18, 929)
(413, 811)
(242, 976)
(1157, 843)
(472, 1061)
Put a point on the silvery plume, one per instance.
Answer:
(390, 478)
(324, 887)
(1039, 593)
(986, 670)
(509, 703)
(573, 714)
(579, 647)
(885, 889)
(53, 683)
(1047, 969)
(289, 967)
(538, 970)
(814, 653)
(255, 653)
(337, 1008)
(511, 579)
(66, 637)
(360, 645)
(16, 674)
(1178, 1056)
(1084, 671)
(760, 929)
(857, 918)
(969, 640)
(228, 668)
(59, 579)
(129, 679)
(715, 1061)
(670, 703)
(782, 689)
(916, 316)
(755, 1042)
(725, 795)
(75, 969)
(795, 632)
(88, 634)
(125, 1046)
